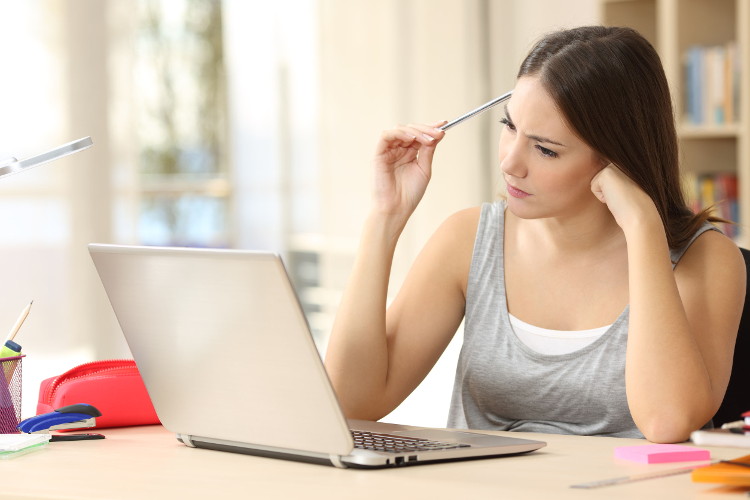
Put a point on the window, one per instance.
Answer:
(182, 188)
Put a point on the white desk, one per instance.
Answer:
(148, 462)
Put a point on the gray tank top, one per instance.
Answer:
(502, 384)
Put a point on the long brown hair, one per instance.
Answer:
(611, 88)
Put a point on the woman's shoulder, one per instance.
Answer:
(457, 232)
(469, 217)
(713, 251)
(464, 216)
(713, 241)
(460, 226)
(468, 220)
(712, 280)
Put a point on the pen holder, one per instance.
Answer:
(10, 394)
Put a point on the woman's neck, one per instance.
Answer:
(587, 230)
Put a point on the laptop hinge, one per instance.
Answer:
(336, 461)
(185, 439)
(260, 450)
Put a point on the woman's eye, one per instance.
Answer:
(546, 152)
(508, 124)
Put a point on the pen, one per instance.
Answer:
(474, 112)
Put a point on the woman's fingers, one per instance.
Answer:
(406, 143)
(403, 165)
(407, 135)
(428, 133)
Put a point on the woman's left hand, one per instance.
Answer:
(626, 200)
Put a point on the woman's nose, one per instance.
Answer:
(511, 160)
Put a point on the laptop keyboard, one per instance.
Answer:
(398, 444)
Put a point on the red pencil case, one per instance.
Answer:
(113, 386)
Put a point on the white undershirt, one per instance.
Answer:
(546, 341)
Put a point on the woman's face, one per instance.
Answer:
(547, 168)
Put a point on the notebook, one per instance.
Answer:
(230, 364)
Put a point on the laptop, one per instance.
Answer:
(230, 364)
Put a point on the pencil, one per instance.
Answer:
(19, 322)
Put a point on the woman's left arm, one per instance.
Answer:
(683, 321)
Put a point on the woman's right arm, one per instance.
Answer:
(374, 361)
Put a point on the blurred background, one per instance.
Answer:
(236, 124)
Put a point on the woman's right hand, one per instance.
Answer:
(403, 167)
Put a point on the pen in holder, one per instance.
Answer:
(10, 394)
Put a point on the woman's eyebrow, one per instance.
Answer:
(536, 138)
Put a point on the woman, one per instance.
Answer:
(595, 301)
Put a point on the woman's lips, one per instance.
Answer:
(516, 193)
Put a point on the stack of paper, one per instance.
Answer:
(13, 445)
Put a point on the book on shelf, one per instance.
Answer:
(718, 191)
(712, 79)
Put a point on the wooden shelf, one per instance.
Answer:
(690, 131)
(674, 26)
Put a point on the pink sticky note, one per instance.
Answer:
(661, 453)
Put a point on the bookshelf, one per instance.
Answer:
(712, 108)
